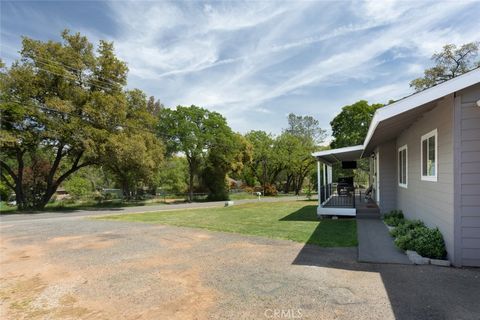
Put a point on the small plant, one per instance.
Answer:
(430, 244)
(405, 227)
(308, 193)
(394, 218)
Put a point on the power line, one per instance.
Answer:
(156, 133)
(73, 78)
(50, 61)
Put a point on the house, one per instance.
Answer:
(424, 155)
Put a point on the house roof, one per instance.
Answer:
(390, 120)
(340, 154)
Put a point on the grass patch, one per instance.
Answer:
(295, 220)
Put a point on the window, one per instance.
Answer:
(429, 155)
(403, 166)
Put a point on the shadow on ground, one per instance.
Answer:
(415, 292)
(306, 213)
(328, 233)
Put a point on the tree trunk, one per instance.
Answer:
(288, 183)
(19, 194)
(191, 170)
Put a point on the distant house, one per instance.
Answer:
(424, 153)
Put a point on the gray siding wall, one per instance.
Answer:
(467, 178)
(388, 176)
(429, 201)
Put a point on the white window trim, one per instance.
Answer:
(405, 147)
(433, 133)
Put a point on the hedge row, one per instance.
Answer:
(416, 236)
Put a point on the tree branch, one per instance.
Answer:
(8, 169)
(75, 167)
(4, 179)
(55, 165)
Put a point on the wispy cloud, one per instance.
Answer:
(258, 60)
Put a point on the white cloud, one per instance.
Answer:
(248, 59)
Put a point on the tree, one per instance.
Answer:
(134, 159)
(62, 107)
(228, 153)
(135, 154)
(350, 126)
(266, 165)
(450, 63)
(196, 133)
(154, 106)
(306, 127)
(301, 138)
(172, 177)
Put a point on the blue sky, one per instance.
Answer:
(255, 62)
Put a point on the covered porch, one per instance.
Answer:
(343, 197)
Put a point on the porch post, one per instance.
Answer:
(319, 183)
(325, 180)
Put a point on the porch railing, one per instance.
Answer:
(343, 198)
(325, 192)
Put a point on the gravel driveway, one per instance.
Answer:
(75, 267)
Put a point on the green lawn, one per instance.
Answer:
(294, 220)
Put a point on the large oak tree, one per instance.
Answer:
(63, 106)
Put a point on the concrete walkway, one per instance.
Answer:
(376, 245)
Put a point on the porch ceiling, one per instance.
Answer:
(341, 154)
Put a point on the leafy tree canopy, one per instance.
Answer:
(306, 127)
(204, 137)
(63, 106)
(449, 63)
(350, 126)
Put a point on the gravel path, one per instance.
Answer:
(78, 268)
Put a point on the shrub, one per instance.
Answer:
(248, 189)
(429, 243)
(405, 227)
(270, 190)
(407, 241)
(394, 218)
(425, 241)
(78, 187)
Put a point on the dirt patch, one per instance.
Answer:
(33, 286)
(100, 241)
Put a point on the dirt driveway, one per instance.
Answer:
(70, 268)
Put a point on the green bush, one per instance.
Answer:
(407, 241)
(429, 243)
(405, 227)
(78, 187)
(417, 237)
(394, 218)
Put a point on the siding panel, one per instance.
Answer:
(430, 201)
(468, 159)
(471, 233)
